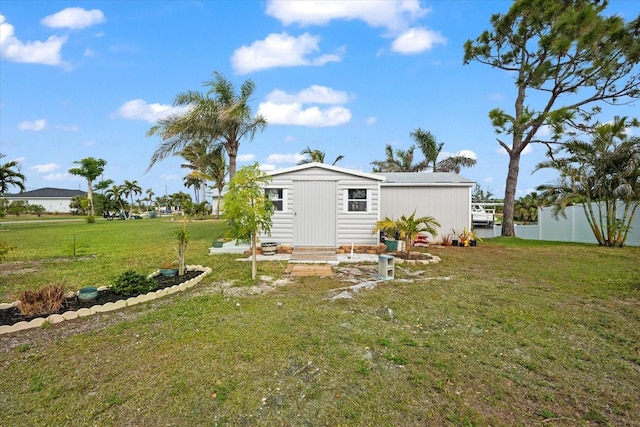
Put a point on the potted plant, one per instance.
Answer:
(169, 268)
(463, 238)
(454, 237)
(473, 239)
(269, 248)
(408, 228)
(446, 240)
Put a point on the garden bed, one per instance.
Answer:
(106, 299)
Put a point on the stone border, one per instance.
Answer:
(110, 306)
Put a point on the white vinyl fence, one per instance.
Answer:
(573, 228)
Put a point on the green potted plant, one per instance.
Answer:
(169, 268)
(454, 237)
(408, 228)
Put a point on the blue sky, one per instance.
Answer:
(88, 79)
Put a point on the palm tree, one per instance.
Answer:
(408, 228)
(604, 173)
(130, 189)
(200, 155)
(219, 116)
(192, 180)
(218, 172)
(431, 151)
(396, 161)
(10, 176)
(90, 169)
(149, 192)
(114, 197)
(316, 156)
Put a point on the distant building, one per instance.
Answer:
(52, 199)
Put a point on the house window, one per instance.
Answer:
(357, 200)
(276, 195)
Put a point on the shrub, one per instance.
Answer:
(47, 300)
(153, 214)
(131, 283)
(4, 249)
(91, 219)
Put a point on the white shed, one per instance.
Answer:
(319, 205)
(446, 196)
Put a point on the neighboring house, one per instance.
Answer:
(328, 206)
(52, 199)
(445, 196)
(321, 205)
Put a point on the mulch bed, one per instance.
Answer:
(12, 315)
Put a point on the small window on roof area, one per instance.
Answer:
(357, 200)
(276, 195)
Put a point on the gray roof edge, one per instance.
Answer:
(327, 167)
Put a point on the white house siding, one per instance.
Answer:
(449, 204)
(342, 227)
(52, 205)
(53, 200)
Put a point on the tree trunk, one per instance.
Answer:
(204, 196)
(232, 163)
(510, 194)
(254, 264)
(218, 207)
(90, 197)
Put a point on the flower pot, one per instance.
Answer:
(269, 248)
(473, 243)
(168, 271)
(88, 294)
(392, 245)
(217, 244)
(454, 243)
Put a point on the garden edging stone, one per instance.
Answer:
(110, 306)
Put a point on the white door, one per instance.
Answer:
(314, 210)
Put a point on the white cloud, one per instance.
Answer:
(467, 153)
(289, 138)
(61, 177)
(264, 167)
(280, 50)
(139, 109)
(74, 17)
(416, 40)
(392, 15)
(35, 52)
(488, 179)
(314, 94)
(49, 167)
(285, 158)
(70, 128)
(495, 96)
(36, 125)
(295, 114)
(245, 158)
(371, 121)
(283, 108)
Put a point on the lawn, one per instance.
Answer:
(522, 333)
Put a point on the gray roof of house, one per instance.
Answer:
(48, 192)
(423, 178)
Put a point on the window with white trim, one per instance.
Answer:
(276, 195)
(357, 200)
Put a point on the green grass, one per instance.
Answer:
(524, 333)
